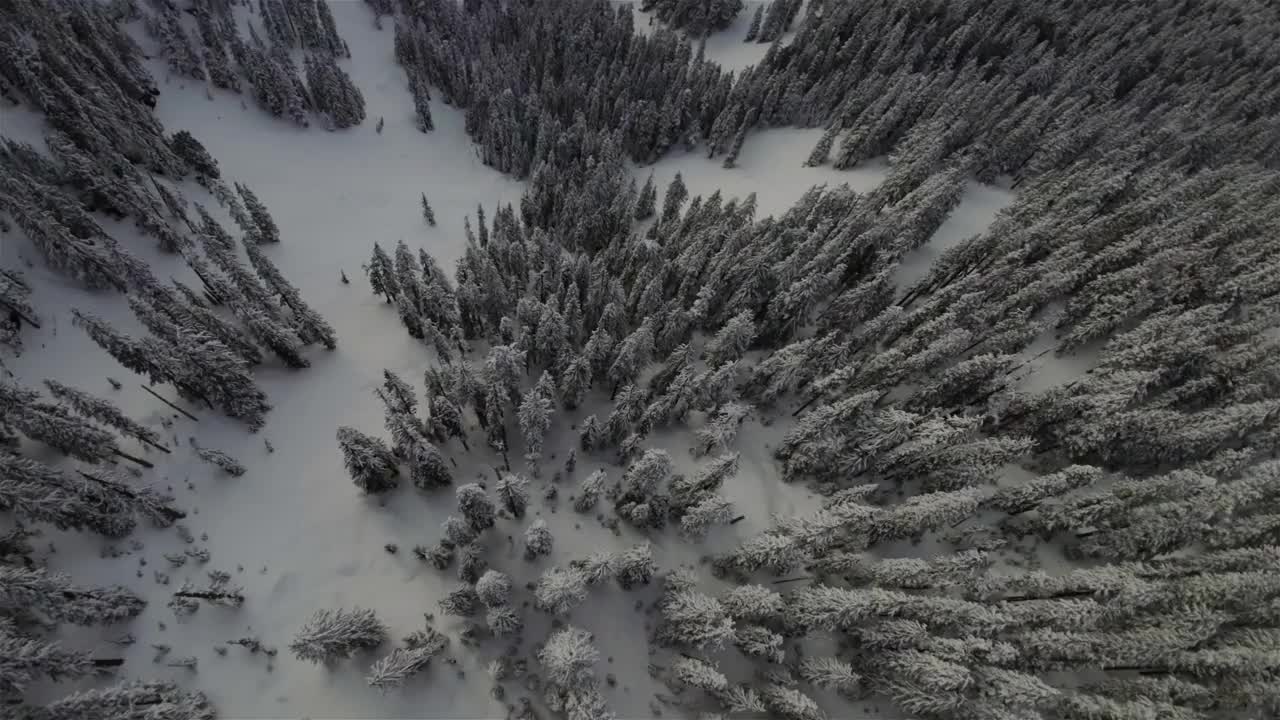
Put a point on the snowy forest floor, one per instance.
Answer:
(293, 530)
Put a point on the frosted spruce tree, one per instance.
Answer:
(368, 460)
(476, 507)
(558, 590)
(395, 668)
(335, 634)
(537, 540)
(428, 215)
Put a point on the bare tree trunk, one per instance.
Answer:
(166, 402)
(130, 458)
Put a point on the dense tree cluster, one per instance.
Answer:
(107, 153)
(696, 17)
(265, 63)
(332, 91)
(15, 309)
(1141, 240)
(91, 497)
(911, 389)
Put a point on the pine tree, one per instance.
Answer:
(789, 703)
(368, 460)
(634, 567)
(591, 434)
(575, 382)
(753, 603)
(646, 206)
(568, 658)
(559, 591)
(634, 352)
(24, 658)
(382, 276)
(105, 413)
(721, 430)
(686, 491)
(36, 492)
(710, 510)
(267, 232)
(513, 493)
(696, 673)
(334, 634)
(475, 506)
(422, 104)
(537, 540)
(694, 620)
(187, 147)
(161, 701)
(589, 492)
(674, 199)
(429, 469)
(428, 214)
(224, 461)
(393, 669)
(494, 589)
(56, 427)
(753, 30)
(732, 341)
(54, 595)
(535, 420)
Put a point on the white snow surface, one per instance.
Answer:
(294, 531)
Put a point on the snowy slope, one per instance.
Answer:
(294, 531)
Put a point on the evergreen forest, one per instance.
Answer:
(586, 359)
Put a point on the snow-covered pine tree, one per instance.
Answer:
(591, 434)
(382, 275)
(264, 224)
(694, 620)
(635, 566)
(721, 430)
(646, 476)
(537, 540)
(686, 491)
(513, 493)
(476, 506)
(504, 621)
(429, 469)
(428, 215)
(674, 199)
(710, 510)
(56, 427)
(58, 598)
(494, 588)
(697, 673)
(732, 341)
(568, 658)
(330, 635)
(589, 491)
(753, 30)
(368, 460)
(558, 590)
(535, 420)
(646, 205)
(36, 492)
(105, 412)
(162, 701)
(575, 382)
(393, 669)
(24, 658)
(224, 461)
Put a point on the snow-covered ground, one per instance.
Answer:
(294, 531)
